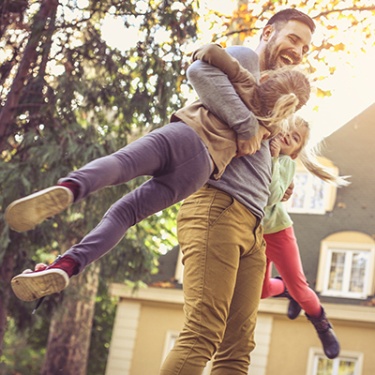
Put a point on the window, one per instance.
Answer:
(348, 363)
(346, 269)
(308, 195)
(311, 194)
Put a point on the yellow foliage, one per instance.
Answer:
(339, 47)
(320, 93)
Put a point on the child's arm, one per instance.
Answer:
(252, 145)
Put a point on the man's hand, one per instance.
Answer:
(288, 192)
(252, 145)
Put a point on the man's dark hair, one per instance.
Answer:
(291, 14)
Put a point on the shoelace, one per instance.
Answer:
(38, 303)
(322, 326)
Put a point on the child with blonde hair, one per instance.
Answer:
(180, 157)
(282, 248)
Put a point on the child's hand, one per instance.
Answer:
(40, 267)
(252, 145)
(275, 147)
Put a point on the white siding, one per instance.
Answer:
(123, 338)
(259, 356)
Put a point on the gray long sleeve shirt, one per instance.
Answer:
(246, 179)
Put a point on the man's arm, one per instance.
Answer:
(217, 56)
(219, 96)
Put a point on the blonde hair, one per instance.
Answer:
(310, 162)
(309, 157)
(283, 93)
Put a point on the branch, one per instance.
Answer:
(356, 9)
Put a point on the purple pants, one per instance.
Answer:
(179, 164)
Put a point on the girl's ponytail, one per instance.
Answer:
(284, 108)
(309, 160)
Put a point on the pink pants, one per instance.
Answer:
(282, 250)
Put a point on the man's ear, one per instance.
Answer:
(267, 32)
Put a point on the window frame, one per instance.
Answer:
(308, 195)
(329, 190)
(330, 247)
(316, 353)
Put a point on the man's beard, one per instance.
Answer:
(270, 58)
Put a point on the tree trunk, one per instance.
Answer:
(70, 329)
(47, 10)
(6, 269)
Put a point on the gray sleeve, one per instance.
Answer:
(219, 96)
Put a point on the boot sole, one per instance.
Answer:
(26, 213)
(34, 285)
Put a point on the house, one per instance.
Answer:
(335, 229)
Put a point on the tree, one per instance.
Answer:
(68, 347)
(101, 99)
(13, 14)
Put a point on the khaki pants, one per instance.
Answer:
(224, 264)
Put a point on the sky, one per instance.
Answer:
(352, 87)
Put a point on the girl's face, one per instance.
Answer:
(292, 142)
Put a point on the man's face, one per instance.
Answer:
(287, 46)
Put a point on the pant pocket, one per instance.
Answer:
(220, 205)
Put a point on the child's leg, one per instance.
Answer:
(271, 286)
(286, 258)
(150, 155)
(288, 262)
(151, 197)
(154, 154)
(188, 167)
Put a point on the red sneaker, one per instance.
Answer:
(32, 285)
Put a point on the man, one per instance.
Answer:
(219, 226)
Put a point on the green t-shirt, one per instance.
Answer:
(276, 217)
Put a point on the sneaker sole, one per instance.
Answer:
(35, 285)
(26, 213)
